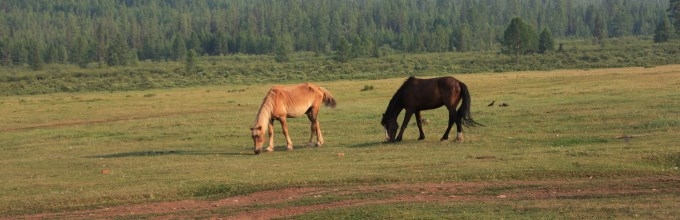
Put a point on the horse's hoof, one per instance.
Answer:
(270, 149)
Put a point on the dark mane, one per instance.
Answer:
(395, 103)
(400, 92)
(401, 89)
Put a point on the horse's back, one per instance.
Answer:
(294, 90)
(295, 100)
(446, 82)
(424, 94)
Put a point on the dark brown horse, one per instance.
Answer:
(416, 95)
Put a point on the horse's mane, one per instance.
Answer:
(264, 114)
(400, 92)
(401, 89)
(395, 102)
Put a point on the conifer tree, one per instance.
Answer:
(462, 38)
(80, 52)
(343, 52)
(179, 47)
(519, 38)
(117, 52)
(5, 59)
(674, 14)
(545, 41)
(35, 59)
(284, 47)
(190, 62)
(663, 31)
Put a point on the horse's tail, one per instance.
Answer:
(464, 109)
(328, 99)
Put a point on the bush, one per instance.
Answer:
(367, 87)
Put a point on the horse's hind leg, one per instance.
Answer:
(459, 127)
(315, 129)
(453, 117)
(420, 126)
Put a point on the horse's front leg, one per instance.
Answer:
(315, 129)
(407, 118)
(284, 126)
(420, 126)
(270, 148)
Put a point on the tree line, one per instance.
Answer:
(121, 32)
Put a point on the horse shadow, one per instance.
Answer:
(158, 153)
(359, 145)
(367, 144)
(243, 152)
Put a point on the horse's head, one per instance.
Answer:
(390, 125)
(258, 138)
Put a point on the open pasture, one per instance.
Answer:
(592, 143)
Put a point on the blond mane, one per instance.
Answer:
(264, 115)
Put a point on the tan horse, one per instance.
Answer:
(290, 101)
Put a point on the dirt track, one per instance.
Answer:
(243, 207)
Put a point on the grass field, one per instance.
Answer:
(597, 143)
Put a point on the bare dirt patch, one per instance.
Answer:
(280, 203)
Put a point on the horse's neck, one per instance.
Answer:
(394, 108)
(265, 113)
(263, 119)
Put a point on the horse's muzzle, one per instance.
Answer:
(258, 151)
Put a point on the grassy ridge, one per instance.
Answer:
(171, 144)
(247, 70)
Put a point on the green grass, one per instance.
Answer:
(182, 143)
(595, 208)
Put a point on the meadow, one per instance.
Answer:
(579, 143)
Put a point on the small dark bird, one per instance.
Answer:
(504, 105)
(491, 104)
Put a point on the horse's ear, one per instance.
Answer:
(259, 127)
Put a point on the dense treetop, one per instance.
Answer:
(121, 31)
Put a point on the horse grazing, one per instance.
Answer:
(416, 95)
(290, 101)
